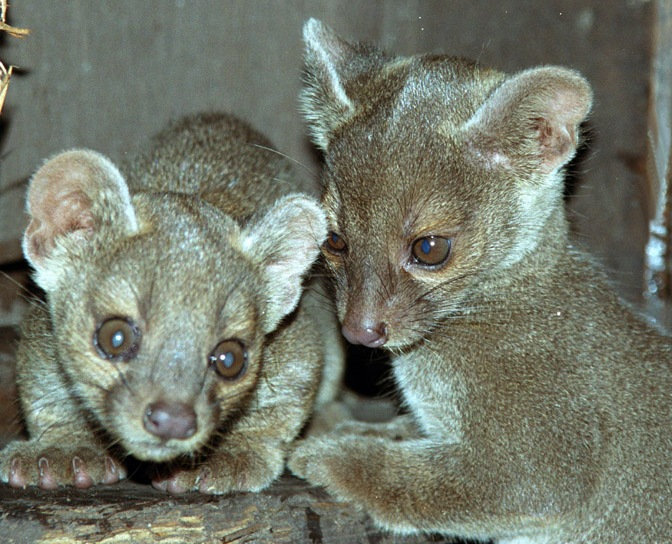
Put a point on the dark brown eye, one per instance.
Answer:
(335, 244)
(117, 339)
(229, 359)
(431, 250)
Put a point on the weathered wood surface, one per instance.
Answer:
(9, 413)
(658, 255)
(289, 512)
(107, 75)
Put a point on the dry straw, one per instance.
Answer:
(6, 73)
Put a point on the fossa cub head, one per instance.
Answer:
(159, 301)
(439, 175)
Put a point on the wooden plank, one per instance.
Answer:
(658, 262)
(10, 426)
(290, 512)
(107, 76)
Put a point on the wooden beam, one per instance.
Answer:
(658, 258)
(290, 512)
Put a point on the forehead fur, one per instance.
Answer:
(182, 250)
(439, 90)
(412, 115)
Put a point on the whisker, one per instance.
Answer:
(285, 156)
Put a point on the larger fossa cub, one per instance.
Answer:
(171, 331)
(542, 405)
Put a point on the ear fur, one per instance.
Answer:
(331, 63)
(285, 241)
(535, 113)
(70, 197)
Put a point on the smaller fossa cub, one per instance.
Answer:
(540, 405)
(174, 329)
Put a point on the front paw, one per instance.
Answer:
(49, 466)
(360, 470)
(328, 462)
(225, 472)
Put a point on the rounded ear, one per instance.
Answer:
(534, 113)
(330, 64)
(71, 196)
(285, 241)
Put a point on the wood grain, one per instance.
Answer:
(658, 254)
(289, 512)
(107, 76)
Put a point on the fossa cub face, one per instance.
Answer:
(404, 256)
(169, 356)
(161, 353)
(438, 175)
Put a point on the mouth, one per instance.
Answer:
(400, 342)
(160, 452)
(157, 431)
(381, 337)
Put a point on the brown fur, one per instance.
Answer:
(201, 240)
(542, 404)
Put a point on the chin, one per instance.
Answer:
(158, 452)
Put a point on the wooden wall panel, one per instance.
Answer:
(107, 74)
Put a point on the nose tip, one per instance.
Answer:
(170, 420)
(369, 336)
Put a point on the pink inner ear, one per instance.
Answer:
(556, 141)
(543, 107)
(54, 215)
(73, 194)
(557, 126)
(58, 204)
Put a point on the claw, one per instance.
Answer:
(113, 473)
(170, 485)
(16, 477)
(203, 479)
(80, 476)
(161, 485)
(46, 478)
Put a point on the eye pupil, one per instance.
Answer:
(431, 250)
(117, 339)
(229, 359)
(335, 244)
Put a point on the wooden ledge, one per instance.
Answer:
(289, 512)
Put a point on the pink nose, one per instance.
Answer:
(370, 336)
(170, 420)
